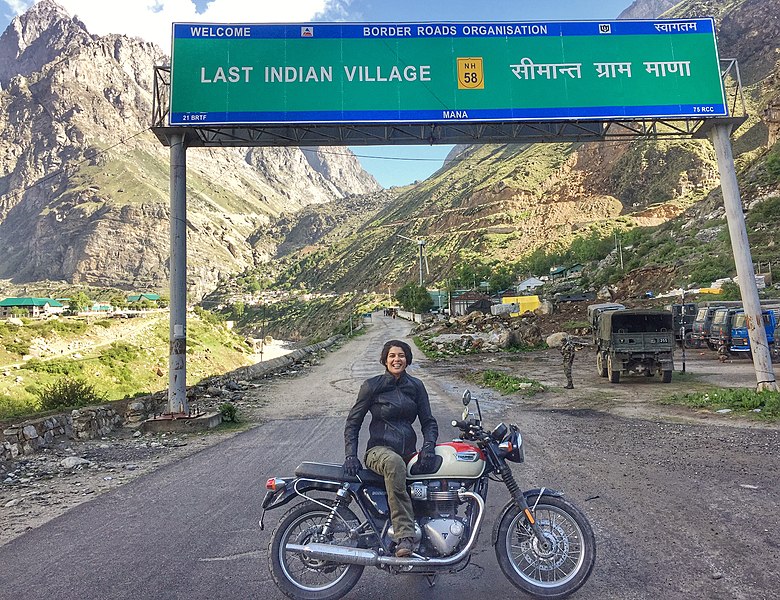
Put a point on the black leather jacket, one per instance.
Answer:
(394, 405)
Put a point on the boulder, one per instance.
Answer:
(556, 339)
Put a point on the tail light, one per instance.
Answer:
(275, 484)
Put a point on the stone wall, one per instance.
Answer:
(80, 424)
(98, 421)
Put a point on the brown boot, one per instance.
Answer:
(404, 547)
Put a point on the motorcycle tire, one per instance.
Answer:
(303, 578)
(558, 572)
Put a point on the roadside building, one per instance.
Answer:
(523, 303)
(140, 297)
(470, 301)
(529, 284)
(33, 307)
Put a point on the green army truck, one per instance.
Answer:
(635, 341)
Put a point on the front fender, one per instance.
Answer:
(529, 495)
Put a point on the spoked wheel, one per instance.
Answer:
(555, 571)
(305, 578)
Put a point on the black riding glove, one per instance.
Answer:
(427, 456)
(351, 466)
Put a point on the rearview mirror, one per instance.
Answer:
(466, 398)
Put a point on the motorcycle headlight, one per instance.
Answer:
(499, 432)
(512, 448)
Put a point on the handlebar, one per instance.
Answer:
(464, 425)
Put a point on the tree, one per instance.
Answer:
(422, 300)
(79, 302)
(239, 308)
(405, 296)
(118, 301)
(414, 298)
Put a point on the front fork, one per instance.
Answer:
(522, 504)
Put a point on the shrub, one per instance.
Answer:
(118, 353)
(56, 366)
(228, 411)
(509, 384)
(67, 393)
(20, 347)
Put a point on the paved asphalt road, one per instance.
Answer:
(681, 512)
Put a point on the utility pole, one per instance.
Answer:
(421, 245)
(619, 250)
(177, 366)
(762, 360)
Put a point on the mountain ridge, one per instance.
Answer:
(83, 180)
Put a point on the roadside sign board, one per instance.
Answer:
(245, 74)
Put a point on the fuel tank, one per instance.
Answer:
(459, 461)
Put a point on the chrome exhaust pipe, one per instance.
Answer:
(337, 554)
(369, 558)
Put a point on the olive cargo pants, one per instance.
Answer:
(389, 464)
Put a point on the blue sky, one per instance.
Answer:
(396, 165)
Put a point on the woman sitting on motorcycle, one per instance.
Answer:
(395, 399)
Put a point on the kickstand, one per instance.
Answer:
(431, 580)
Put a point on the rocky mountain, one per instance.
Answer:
(500, 204)
(84, 183)
(647, 9)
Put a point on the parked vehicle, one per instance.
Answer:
(544, 544)
(635, 341)
(740, 341)
(595, 310)
(700, 329)
(683, 317)
(720, 329)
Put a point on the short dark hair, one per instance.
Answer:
(398, 344)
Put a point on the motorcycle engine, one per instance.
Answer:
(436, 509)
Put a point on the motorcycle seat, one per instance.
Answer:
(335, 472)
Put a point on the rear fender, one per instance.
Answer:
(294, 488)
(530, 498)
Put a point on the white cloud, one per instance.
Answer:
(151, 19)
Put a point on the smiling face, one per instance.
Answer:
(396, 361)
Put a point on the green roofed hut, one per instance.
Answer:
(139, 297)
(34, 307)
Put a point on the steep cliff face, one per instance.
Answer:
(84, 183)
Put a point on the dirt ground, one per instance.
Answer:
(37, 488)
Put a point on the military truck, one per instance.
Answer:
(700, 332)
(635, 341)
(684, 316)
(594, 312)
(720, 328)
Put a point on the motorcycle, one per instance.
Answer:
(544, 545)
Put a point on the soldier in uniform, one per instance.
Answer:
(723, 351)
(567, 351)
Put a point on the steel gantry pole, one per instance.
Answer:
(732, 202)
(177, 369)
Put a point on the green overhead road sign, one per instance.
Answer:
(443, 72)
